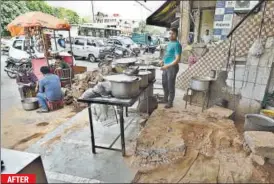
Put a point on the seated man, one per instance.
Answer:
(26, 81)
(49, 89)
(60, 63)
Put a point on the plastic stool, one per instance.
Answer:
(54, 105)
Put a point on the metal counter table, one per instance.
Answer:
(120, 103)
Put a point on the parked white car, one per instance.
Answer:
(89, 48)
(18, 49)
(5, 45)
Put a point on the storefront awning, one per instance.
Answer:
(165, 15)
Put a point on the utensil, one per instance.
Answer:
(151, 69)
(144, 78)
(124, 86)
(131, 71)
(200, 83)
(258, 122)
(30, 103)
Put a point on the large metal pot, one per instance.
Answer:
(200, 83)
(30, 103)
(144, 78)
(258, 122)
(152, 69)
(123, 86)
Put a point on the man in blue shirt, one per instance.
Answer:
(171, 67)
(49, 89)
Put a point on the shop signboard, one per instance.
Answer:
(223, 19)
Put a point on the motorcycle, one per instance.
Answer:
(13, 66)
(129, 52)
(149, 49)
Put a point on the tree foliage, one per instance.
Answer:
(71, 16)
(143, 28)
(13, 8)
(40, 6)
(9, 11)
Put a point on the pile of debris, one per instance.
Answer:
(81, 83)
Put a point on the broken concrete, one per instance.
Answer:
(260, 143)
(258, 159)
(219, 112)
(270, 161)
(220, 148)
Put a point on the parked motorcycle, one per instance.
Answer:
(129, 52)
(13, 66)
(149, 49)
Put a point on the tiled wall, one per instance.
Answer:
(243, 38)
(271, 81)
(255, 80)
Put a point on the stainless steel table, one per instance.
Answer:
(121, 104)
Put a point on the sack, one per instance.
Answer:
(257, 48)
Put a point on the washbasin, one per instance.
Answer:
(258, 122)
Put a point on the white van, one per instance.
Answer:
(90, 48)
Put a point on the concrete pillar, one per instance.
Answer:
(197, 17)
(185, 21)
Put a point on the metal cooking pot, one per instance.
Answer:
(144, 78)
(200, 83)
(30, 103)
(123, 86)
(152, 69)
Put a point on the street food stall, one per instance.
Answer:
(124, 88)
(37, 28)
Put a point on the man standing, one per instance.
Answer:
(61, 41)
(171, 67)
(49, 89)
(207, 38)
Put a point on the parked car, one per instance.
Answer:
(91, 48)
(18, 49)
(5, 45)
(124, 42)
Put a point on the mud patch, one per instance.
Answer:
(216, 139)
(42, 124)
(51, 141)
(27, 139)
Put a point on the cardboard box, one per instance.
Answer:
(79, 69)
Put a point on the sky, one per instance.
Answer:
(126, 9)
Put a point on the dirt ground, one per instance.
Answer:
(20, 128)
(214, 150)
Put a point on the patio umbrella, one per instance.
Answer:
(34, 19)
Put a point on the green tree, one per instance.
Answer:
(71, 16)
(13, 8)
(85, 19)
(9, 11)
(40, 6)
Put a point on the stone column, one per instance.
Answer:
(197, 18)
(185, 21)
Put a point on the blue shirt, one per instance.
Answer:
(51, 86)
(173, 49)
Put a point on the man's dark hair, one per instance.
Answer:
(174, 30)
(44, 70)
(58, 57)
